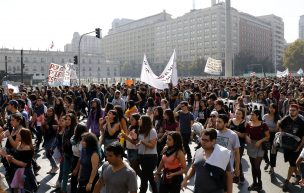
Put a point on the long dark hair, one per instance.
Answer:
(159, 117)
(79, 130)
(146, 125)
(91, 143)
(120, 113)
(276, 117)
(114, 112)
(26, 137)
(73, 120)
(177, 140)
(170, 114)
(109, 106)
(258, 114)
(52, 118)
(97, 109)
(135, 116)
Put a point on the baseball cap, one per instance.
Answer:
(215, 113)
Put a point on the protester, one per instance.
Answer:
(49, 128)
(229, 139)
(257, 133)
(147, 151)
(237, 125)
(116, 175)
(70, 124)
(210, 157)
(131, 137)
(76, 148)
(173, 164)
(271, 119)
(186, 120)
(94, 115)
(21, 161)
(89, 163)
(293, 125)
(111, 128)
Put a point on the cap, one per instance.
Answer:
(14, 103)
(214, 113)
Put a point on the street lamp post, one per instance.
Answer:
(97, 31)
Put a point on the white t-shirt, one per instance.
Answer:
(77, 149)
(142, 149)
(130, 145)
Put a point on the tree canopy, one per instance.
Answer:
(294, 55)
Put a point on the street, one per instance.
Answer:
(271, 183)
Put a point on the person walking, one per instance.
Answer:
(147, 151)
(257, 133)
(172, 165)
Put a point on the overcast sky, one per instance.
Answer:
(34, 24)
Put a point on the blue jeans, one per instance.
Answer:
(48, 146)
(67, 163)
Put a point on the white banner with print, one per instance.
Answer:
(169, 75)
(282, 74)
(56, 74)
(213, 66)
(149, 77)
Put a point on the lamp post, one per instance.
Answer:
(97, 31)
(228, 45)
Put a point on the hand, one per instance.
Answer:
(89, 187)
(139, 142)
(9, 158)
(184, 184)
(248, 140)
(258, 144)
(156, 177)
(100, 121)
(170, 175)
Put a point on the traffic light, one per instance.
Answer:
(97, 31)
(75, 60)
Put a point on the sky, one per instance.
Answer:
(34, 24)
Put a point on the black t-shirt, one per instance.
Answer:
(239, 128)
(294, 127)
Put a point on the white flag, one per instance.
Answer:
(213, 66)
(282, 74)
(169, 75)
(300, 71)
(149, 77)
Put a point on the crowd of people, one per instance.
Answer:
(105, 136)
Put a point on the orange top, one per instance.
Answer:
(170, 162)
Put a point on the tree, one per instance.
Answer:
(244, 62)
(294, 55)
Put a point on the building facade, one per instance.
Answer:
(255, 37)
(89, 44)
(197, 34)
(37, 63)
(301, 27)
(278, 41)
